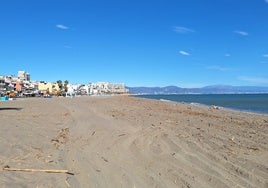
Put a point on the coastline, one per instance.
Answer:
(251, 103)
(125, 141)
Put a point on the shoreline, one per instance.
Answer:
(199, 102)
(163, 100)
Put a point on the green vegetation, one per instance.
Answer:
(62, 87)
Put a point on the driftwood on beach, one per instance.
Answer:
(7, 168)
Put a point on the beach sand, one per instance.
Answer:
(130, 142)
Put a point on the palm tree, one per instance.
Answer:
(65, 85)
(59, 82)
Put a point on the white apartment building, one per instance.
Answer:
(101, 88)
(23, 76)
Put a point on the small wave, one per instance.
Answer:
(165, 100)
(199, 104)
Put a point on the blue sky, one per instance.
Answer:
(188, 43)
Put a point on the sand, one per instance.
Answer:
(130, 142)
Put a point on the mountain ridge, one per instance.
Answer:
(210, 89)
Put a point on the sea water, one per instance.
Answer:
(245, 102)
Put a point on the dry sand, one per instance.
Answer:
(130, 142)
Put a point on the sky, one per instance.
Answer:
(186, 43)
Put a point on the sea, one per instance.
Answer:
(257, 103)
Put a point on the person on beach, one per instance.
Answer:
(214, 107)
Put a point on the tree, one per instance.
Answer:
(59, 82)
(65, 85)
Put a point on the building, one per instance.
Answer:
(101, 88)
(30, 88)
(2, 85)
(98, 88)
(23, 76)
(6, 84)
(18, 86)
(22, 86)
(72, 89)
(118, 88)
(48, 87)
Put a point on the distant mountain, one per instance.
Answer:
(213, 89)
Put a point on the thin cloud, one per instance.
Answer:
(227, 55)
(255, 80)
(218, 68)
(265, 55)
(263, 62)
(243, 33)
(182, 30)
(67, 46)
(266, 1)
(184, 53)
(60, 26)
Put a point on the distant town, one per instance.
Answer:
(22, 86)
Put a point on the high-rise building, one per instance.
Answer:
(22, 75)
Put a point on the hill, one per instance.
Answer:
(213, 89)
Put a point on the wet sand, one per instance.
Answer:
(130, 142)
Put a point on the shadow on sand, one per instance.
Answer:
(10, 109)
